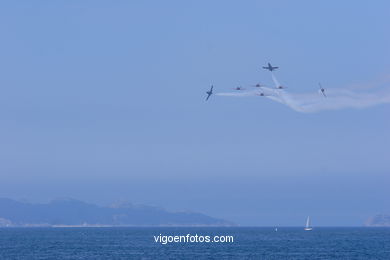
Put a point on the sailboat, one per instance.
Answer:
(308, 227)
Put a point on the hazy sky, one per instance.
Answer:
(104, 100)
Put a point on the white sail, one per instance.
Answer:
(308, 222)
(308, 227)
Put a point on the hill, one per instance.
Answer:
(71, 212)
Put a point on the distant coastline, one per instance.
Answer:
(71, 213)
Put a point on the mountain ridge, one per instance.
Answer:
(72, 212)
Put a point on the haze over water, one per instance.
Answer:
(104, 101)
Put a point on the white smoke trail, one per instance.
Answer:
(336, 99)
(239, 93)
(314, 102)
(276, 82)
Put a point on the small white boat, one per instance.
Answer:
(308, 227)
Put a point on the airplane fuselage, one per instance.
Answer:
(270, 67)
(209, 93)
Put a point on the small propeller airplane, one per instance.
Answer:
(261, 94)
(322, 90)
(209, 93)
(270, 67)
(258, 85)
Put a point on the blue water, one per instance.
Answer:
(249, 243)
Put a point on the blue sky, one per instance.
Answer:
(104, 100)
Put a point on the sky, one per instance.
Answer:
(105, 100)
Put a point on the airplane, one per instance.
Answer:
(209, 93)
(322, 90)
(261, 94)
(270, 68)
(239, 88)
(258, 85)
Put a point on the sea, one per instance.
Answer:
(243, 243)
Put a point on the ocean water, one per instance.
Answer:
(249, 243)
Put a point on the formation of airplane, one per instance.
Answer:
(258, 85)
(270, 67)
